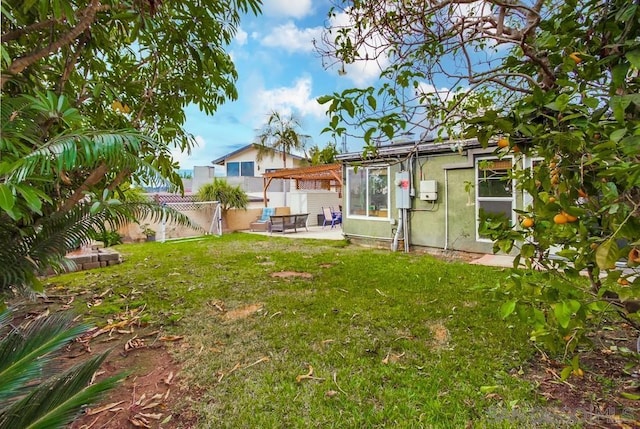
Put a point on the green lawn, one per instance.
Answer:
(394, 340)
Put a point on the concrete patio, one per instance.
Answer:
(316, 232)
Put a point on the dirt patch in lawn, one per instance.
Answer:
(290, 274)
(600, 395)
(242, 312)
(440, 335)
(147, 397)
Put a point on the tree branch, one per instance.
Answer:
(94, 178)
(88, 17)
(37, 26)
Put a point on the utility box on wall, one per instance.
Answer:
(403, 196)
(428, 190)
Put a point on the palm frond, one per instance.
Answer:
(25, 352)
(32, 250)
(55, 402)
(29, 396)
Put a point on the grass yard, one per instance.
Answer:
(298, 333)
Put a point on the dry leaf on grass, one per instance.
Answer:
(108, 407)
(134, 343)
(171, 337)
(307, 376)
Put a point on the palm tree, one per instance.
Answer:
(227, 195)
(280, 133)
(57, 185)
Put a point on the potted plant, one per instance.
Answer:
(148, 232)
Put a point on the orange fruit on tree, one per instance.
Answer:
(570, 218)
(623, 282)
(560, 219)
(527, 222)
(552, 199)
(575, 56)
(503, 142)
(633, 258)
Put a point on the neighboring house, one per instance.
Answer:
(244, 162)
(438, 188)
(244, 169)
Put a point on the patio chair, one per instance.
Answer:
(262, 222)
(334, 218)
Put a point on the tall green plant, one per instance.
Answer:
(33, 394)
(227, 195)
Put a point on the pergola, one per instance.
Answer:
(312, 177)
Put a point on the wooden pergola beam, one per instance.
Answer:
(313, 172)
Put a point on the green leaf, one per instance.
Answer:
(507, 308)
(488, 389)
(619, 104)
(323, 99)
(617, 135)
(7, 199)
(349, 107)
(527, 250)
(31, 198)
(372, 101)
(607, 254)
(565, 373)
(634, 58)
(632, 396)
(564, 310)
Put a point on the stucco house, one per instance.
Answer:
(428, 192)
(244, 169)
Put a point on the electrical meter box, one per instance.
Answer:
(428, 190)
(403, 196)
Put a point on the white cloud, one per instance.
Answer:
(427, 90)
(293, 8)
(375, 59)
(198, 155)
(291, 38)
(297, 99)
(241, 36)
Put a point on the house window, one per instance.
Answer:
(240, 168)
(246, 168)
(368, 194)
(495, 191)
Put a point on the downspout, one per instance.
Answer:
(396, 237)
(446, 209)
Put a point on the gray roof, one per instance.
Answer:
(223, 159)
(405, 148)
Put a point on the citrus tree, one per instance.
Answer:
(93, 98)
(555, 81)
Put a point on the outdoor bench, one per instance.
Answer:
(282, 223)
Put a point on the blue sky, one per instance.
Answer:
(278, 70)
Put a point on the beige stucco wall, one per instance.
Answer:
(238, 219)
(234, 220)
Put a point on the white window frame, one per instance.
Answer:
(347, 209)
(479, 199)
(529, 162)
